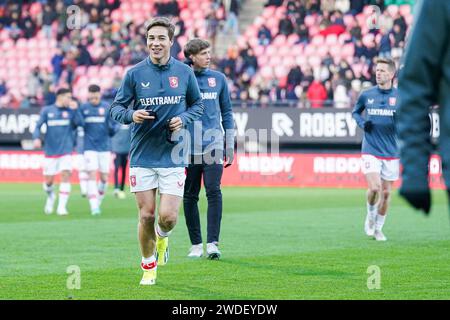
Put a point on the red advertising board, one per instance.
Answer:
(285, 169)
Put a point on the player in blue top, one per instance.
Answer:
(61, 120)
(380, 152)
(98, 130)
(164, 97)
(207, 149)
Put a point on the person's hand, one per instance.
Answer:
(37, 144)
(73, 105)
(421, 200)
(175, 124)
(139, 116)
(368, 125)
(229, 157)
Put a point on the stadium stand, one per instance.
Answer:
(294, 51)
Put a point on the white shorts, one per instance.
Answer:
(100, 161)
(166, 180)
(389, 169)
(53, 166)
(80, 164)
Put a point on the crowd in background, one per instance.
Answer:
(124, 44)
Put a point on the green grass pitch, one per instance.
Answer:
(277, 243)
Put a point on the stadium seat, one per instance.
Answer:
(318, 40)
(348, 50)
(281, 71)
(314, 61)
(310, 50)
(275, 61)
(405, 10)
(268, 13)
(285, 51)
(271, 50)
(279, 41)
(292, 39)
(301, 60)
(331, 40)
(344, 37)
(349, 21)
(322, 51)
(310, 21)
(258, 50)
(266, 72)
(392, 10)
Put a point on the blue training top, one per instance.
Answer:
(216, 118)
(170, 90)
(61, 123)
(380, 106)
(98, 127)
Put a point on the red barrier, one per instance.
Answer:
(286, 169)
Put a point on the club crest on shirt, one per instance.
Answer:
(392, 101)
(65, 114)
(101, 111)
(212, 82)
(173, 81)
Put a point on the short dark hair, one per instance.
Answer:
(162, 22)
(94, 88)
(194, 46)
(388, 61)
(61, 91)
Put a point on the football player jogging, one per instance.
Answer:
(164, 97)
(207, 150)
(61, 120)
(98, 130)
(380, 152)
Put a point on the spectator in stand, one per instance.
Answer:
(264, 36)
(276, 3)
(70, 64)
(285, 26)
(212, 25)
(125, 56)
(167, 8)
(83, 56)
(341, 98)
(34, 86)
(294, 77)
(385, 45)
(14, 31)
(303, 33)
(48, 17)
(232, 13)
(317, 94)
(3, 88)
(357, 6)
(57, 65)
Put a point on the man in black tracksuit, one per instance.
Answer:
(424, 81)
(207, 149)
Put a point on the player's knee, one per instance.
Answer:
(386, 194)
(375, 189)
(168, 219)
(147, 217)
